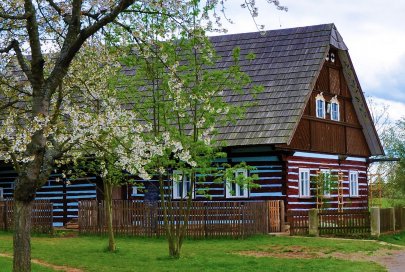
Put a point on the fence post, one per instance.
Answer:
(282, 216)
(5, 216)
(242, 206)
(205, 219)
(375, 221)
(392, 218)
(313, 222)
(402, 220)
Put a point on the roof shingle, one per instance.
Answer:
(286, 63)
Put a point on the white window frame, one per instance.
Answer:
(326, 172)
(334, 101)
(233, 187)
(320, 112)
(180, 189)
(304, 187)
(134, 190)
(354, 183)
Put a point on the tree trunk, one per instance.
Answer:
(109, 212)
(175, 248)
(22, 236)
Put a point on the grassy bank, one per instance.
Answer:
(398, 238)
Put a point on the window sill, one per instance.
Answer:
(179, 198)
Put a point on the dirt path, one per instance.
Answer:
(52, 266)
(392, 259)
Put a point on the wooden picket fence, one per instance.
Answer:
(386, 222)
(41, 216)
(299, 222)
(346, 223)
(206, 219)
(331, 222)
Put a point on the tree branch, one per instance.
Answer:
(9, 104)
(94, 16)
(37, 62)
(71, 47)
(58, 104)
(13, 157)
(15, 17)
(15, 45)
(7, 49)
(108, 18)
(47, 20)
(55, 6)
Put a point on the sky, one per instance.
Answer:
(373, 30)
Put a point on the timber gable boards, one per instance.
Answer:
(343, 137)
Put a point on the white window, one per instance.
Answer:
(304, 183)
(335, 114)
(235, 189)
(134, 190)
(181, 185)
(320, 106)
(326, 181)
(354, 183)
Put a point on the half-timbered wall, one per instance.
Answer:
(65, 194)
(328, 162)
(323, 134)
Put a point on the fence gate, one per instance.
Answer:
(276, 215)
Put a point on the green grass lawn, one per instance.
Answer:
(6, 264)
(150, 254)
(398, 238)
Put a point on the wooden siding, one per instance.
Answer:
(343, 137)
(269, 169)
(63, 194)
(294, 163)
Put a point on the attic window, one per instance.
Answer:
(320, 106)
(330, 57)
(335, 114)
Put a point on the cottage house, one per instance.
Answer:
(308, 136)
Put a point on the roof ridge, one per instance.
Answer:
(330, 25)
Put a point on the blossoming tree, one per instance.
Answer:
(108, 131)
(183, 99)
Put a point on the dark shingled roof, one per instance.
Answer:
(287, 63)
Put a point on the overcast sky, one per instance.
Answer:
(373, 30)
